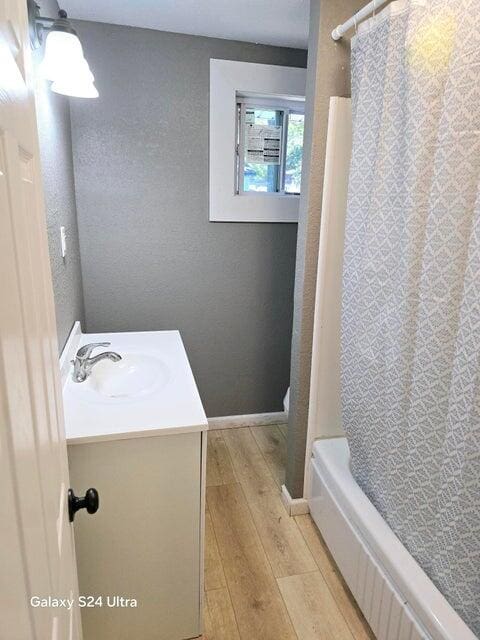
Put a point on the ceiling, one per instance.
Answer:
(276, 22)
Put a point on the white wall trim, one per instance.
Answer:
(248, 420)
(228, 77)
(324, 413)
(294, 506)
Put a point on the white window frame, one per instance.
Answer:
(229, 80)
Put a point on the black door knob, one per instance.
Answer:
(89, 502)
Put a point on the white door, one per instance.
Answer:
(36, 539)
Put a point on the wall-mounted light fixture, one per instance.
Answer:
(63, 63)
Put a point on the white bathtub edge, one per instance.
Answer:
(331, 460)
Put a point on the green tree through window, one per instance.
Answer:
(284, 177)
(293, 162)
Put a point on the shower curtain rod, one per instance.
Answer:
(367, 10)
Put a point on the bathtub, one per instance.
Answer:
(396, 596)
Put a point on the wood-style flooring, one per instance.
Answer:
(267, 576)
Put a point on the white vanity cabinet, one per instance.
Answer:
(145, 541)
(136, 432)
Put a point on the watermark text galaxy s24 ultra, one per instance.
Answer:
(112, 601)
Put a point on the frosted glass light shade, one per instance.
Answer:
(63, 53)
(65, 65)
(75, 89)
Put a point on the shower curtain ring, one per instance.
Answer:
(355, 22)
(374, 7)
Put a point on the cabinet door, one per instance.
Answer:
(144, 542)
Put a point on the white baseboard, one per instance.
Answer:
(249, 420)
(294, 506)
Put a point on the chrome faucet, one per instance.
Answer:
(83, 363)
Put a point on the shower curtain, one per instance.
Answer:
(411, 285)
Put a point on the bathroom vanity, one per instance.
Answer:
(136, 433)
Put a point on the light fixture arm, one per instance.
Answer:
(38, 24)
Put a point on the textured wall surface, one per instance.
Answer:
(53, 115)
(328, 74)
(151, 259)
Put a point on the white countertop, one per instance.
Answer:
(172, 405)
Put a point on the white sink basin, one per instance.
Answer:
(136, 374)
(150, 391)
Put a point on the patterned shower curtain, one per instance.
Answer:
(411, 285)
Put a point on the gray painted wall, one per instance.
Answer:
(151, 259)
(53, 115)
(328, 74)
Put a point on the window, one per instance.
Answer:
(294, 152)
(258, 181)
(269, 146)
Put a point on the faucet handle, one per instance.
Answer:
(85, 351)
